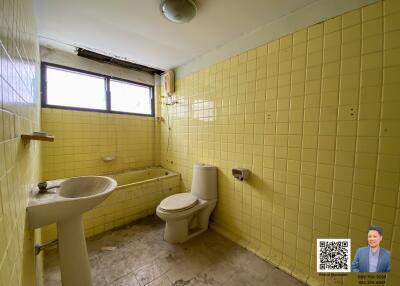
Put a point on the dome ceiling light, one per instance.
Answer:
(178, 11)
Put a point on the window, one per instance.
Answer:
(68, 88)
(122, 99)
(75, 89)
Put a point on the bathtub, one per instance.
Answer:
(137, 195)
(143, 176)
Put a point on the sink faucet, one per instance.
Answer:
(43, 187)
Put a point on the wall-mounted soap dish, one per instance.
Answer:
(108, 158)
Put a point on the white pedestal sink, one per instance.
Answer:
(65, 205)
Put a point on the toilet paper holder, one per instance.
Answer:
(240, 173)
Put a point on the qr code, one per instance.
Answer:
(333, 255)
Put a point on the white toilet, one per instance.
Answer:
(186, 214)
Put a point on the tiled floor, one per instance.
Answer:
(137, 255)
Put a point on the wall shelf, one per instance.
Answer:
(41, 137)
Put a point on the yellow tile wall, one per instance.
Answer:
(83, 138)
(315, 117)
(19, 113)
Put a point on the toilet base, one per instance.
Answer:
(175, 231)
(175, 237)
(185, 228)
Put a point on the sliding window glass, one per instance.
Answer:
(130, 97)
(70, 88)
(64, 87)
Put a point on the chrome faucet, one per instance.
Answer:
(43, 187)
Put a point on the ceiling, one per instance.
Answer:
(135, 30)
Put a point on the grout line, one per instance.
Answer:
(337, 127)
(357, 120)
(287, 144)
(301, 149)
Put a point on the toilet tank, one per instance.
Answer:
(204, 182)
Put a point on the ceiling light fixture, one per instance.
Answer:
(178, 11)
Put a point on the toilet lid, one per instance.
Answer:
(178, 202)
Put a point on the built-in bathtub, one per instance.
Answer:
(143, 176)
(137, 195)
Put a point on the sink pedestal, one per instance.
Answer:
(74, 261)
(65, 206)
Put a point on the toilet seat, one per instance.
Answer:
(178, 202)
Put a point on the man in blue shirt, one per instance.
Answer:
(372, 258)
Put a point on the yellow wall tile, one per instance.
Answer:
(389, 75)
(300, 37)
(372, 28)
(351, 18)
(333, 25)
(352, 49)
(372, 11)
(351, 34)
(386, 197)
(391, 22)
(383, 213)
(333, 39)
(315, 31)
(392, 40)
(315, 44)
(371, 61)
(299, 49)
(392, 57)
(391, 6)
(19, 164)
(372, 44)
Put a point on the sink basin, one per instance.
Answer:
(82, 187)
(74, 196)
(64, 204)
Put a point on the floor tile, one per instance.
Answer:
(137, 255)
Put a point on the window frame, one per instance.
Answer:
(107, 91)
